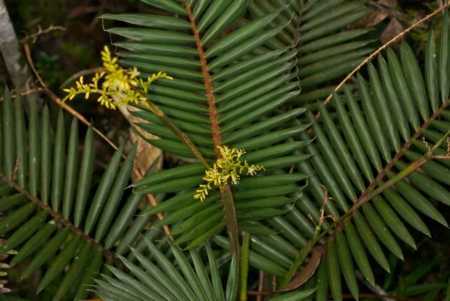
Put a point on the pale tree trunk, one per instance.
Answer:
(10, 50)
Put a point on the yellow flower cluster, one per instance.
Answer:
(115, 85)
(227, 169)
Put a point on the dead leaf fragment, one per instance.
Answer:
(392, 29)
(307, 271)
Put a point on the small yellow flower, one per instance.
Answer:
(227, 169)
(115, 86)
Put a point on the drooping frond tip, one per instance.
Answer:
(227, 169)
(115, 85)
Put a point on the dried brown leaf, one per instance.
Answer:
(147, 155)
(307, 271)
(392, 29)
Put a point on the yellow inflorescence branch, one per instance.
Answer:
(115, 85)
(118, 86)
(227, 169)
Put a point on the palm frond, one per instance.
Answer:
(55, 213)
(368, 143)
(381, 155)
(165, 272)
(227, 88)
(328, 50)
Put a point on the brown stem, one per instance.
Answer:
(209, 86)
(33, 37)
(261, 280)
(226, 193)
(30, 91)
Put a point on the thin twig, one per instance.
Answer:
(24, 93)
(33, 37)
(261, 281)
(58, 100)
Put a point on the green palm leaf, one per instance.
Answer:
(228, 85)
(371, 161)
(327, 49)
(168, 273)
(372, 153)
(55, 214)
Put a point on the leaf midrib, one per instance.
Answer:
(226, 193)
(57, 217)
(363, 198)
(208, 83)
